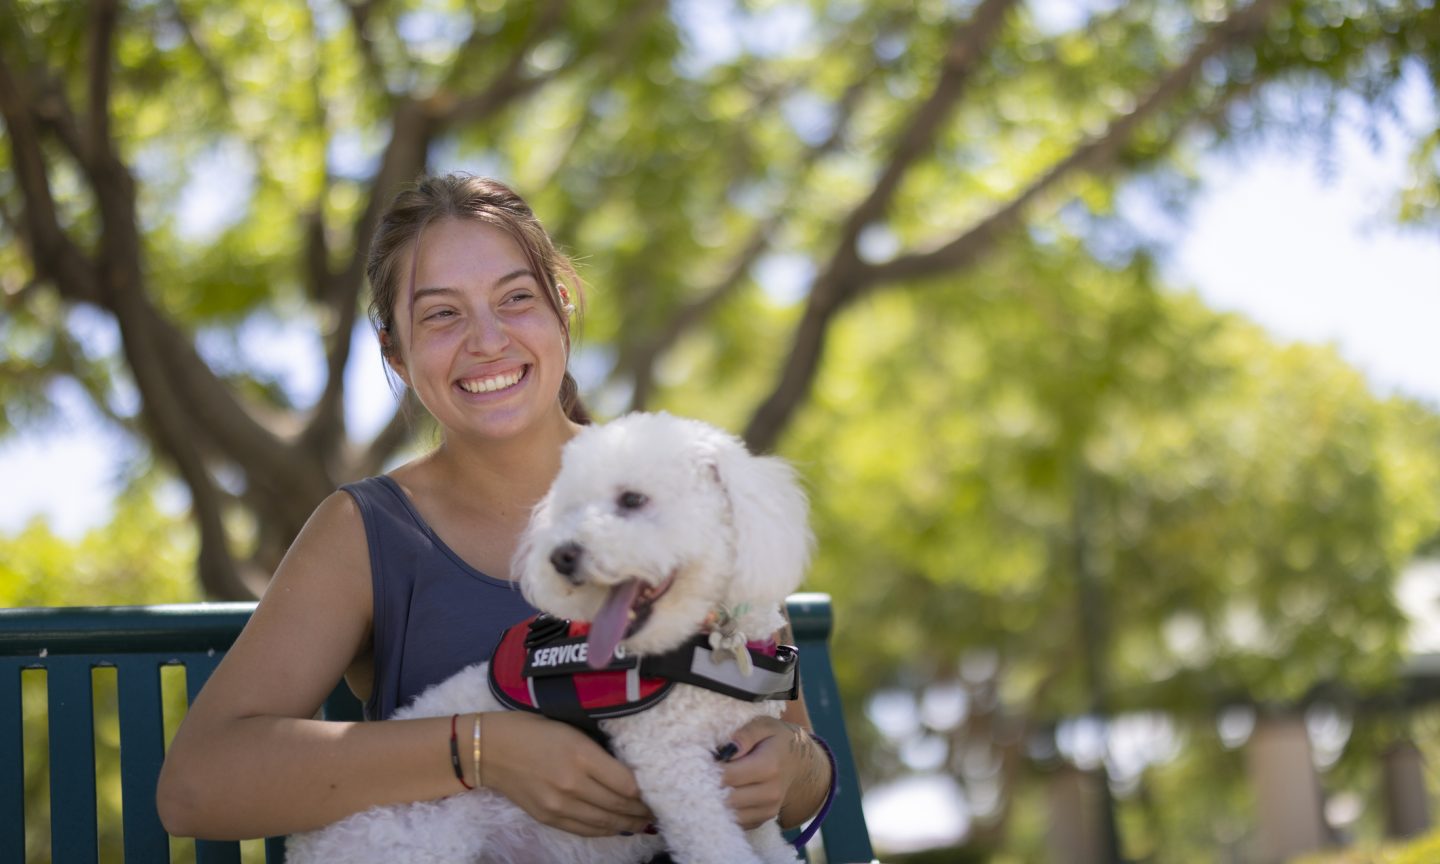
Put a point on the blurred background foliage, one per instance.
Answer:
(879, 238)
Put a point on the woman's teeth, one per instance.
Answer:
(490, 385)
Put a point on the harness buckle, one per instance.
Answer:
(546, 628)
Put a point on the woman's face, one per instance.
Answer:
(478, 342)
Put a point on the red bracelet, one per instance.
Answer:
(455, 754)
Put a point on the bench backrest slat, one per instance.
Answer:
(197, 671)
(142, 750)
(73, 835)
(12, 766)
(220, 852)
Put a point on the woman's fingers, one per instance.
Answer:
(585, 819)
(758, 775)
(562, 778)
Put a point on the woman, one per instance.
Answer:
(396, 582)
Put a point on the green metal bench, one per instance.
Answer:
(137, 641)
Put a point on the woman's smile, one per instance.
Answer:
(493, 383)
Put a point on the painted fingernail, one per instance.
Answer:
(727, 752)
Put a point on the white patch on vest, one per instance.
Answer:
(560, 655)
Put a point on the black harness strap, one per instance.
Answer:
(556, 698)
(772, 678)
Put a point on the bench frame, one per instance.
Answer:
(137, 641)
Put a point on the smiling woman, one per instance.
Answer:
(399, 581)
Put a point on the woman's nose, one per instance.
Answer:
(487, 333)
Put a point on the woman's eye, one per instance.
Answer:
(438, 314)
(629, 500)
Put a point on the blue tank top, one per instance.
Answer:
(434, 614)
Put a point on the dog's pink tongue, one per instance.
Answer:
(610, 622)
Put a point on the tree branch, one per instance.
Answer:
(615, 62)
(167, 368)
(510, 84)
(324, 434)
(53, 254)
(396, 432)
(105, 15)
(847, 278)
(643, 359)
(216, 75)
(369, 59)
(641, 363)
(1089, 155)
(968, 45)
(220, 575)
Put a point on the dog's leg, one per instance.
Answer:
(671, 749)
(683, 788)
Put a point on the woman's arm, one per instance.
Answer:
(249, 760)
(778, 770)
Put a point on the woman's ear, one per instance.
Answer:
(390, 350)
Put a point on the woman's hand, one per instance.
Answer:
(559, 776)
(771, 756)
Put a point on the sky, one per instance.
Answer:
(1318, 258)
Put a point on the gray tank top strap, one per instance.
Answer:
(434, 614)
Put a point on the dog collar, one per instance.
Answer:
(541, 666)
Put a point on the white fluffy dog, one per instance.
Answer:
(655, 529)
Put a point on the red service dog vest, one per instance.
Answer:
(541, 666)
(558, 651)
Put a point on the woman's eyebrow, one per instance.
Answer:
(421, 293)
(503, 280)
(513, 275)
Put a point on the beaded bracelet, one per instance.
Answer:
(814, 825)
(455, 754)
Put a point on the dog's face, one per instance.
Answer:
(653, 522)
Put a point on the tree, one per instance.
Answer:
(934, 131)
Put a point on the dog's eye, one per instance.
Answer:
(629, 500)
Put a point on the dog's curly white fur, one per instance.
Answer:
(664, 513)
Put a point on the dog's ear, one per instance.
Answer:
(771, 520)
(528, 559)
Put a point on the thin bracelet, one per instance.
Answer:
(829, 797)
(479, 781)
(455, 754)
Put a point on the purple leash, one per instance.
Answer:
(814, 825)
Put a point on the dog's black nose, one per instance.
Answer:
(565, 558)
